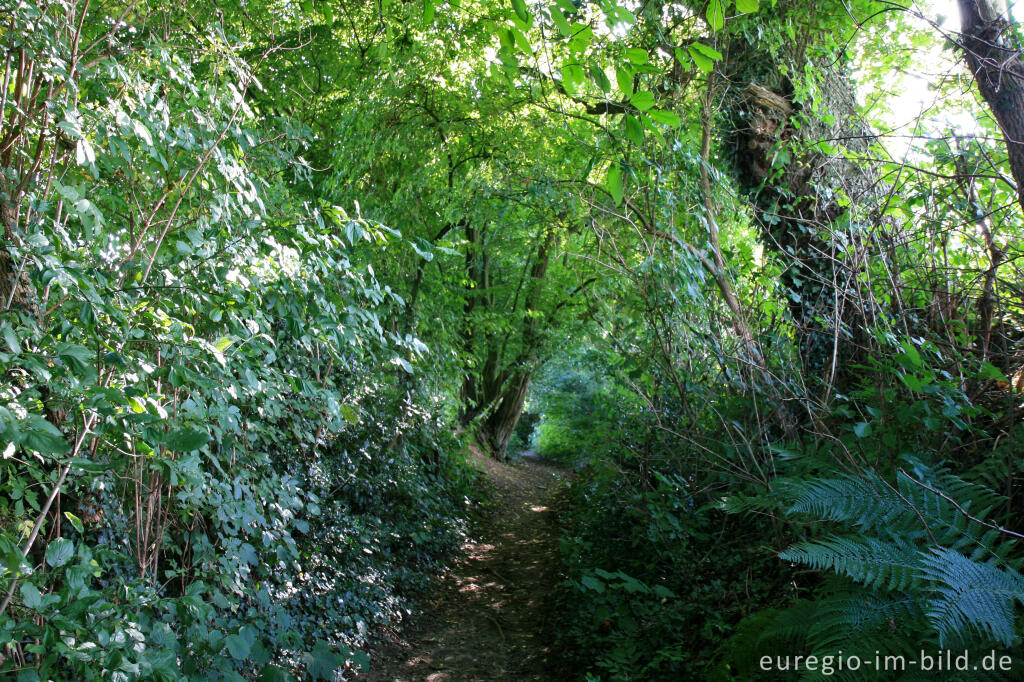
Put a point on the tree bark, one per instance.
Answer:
(997, 68)
(498, 388)
(496, 431)
(720, 272)
(794, 198)
(16, 293)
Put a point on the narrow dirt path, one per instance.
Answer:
(489, 618)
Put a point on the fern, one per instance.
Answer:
(893, 565)
(863, 501)
(966, 594)
(909, 510)
(924, 564)
(971, 595)
(865, 622)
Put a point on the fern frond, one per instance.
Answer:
(979, 498)
(864, 501)
(910, 511)
(770, 632)
(864, 622)
(971, 595)
(739, 503)
(872, 562)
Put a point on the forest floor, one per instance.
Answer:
(490, 617)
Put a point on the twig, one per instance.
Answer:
(963, 511)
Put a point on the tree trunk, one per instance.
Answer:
(999, 72)
(497, 389)
(16, 292)
(496, 431)
(795, 200)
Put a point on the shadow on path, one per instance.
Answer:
(490, 616)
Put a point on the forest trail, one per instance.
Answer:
(489, 618)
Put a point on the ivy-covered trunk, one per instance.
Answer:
(803, 197)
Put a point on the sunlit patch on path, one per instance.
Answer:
(489, 618)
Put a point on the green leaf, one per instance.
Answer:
(75, 522)
(59, 552)
(624, 79)
(321, 663)
(428, 12)
(655, 130)
(521, 41)
(78, 358)
(14, 562)
(87, 465)
(911, 352)
(582, 36)
(185, 440)
(30, 596)
(11, 339)
(665, 117)
(990, 371)
(636, 55)
(560, 21)
(349, 414)
(572, 77)
(620, 15)
(423, 248)
(716, 14)
(43, 437)
(354, 231)
(747, 6)
(224, 342)
(522, 12)
(642, 100)
(84, 154)
(600, 78)
(634, 131)
(709, 52)
(506, 39)
(593, 583)
(71, 124)
(361, 660)
(403, 363)
(862, 429)
(238, 647)
(911, 382)
(683, 58)
(703, 62)
(240, 644)
(271, 673)
(614, 182)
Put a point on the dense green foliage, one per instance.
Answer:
(265, 270)
(197, 364)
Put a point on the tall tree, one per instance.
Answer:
(995, 61)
